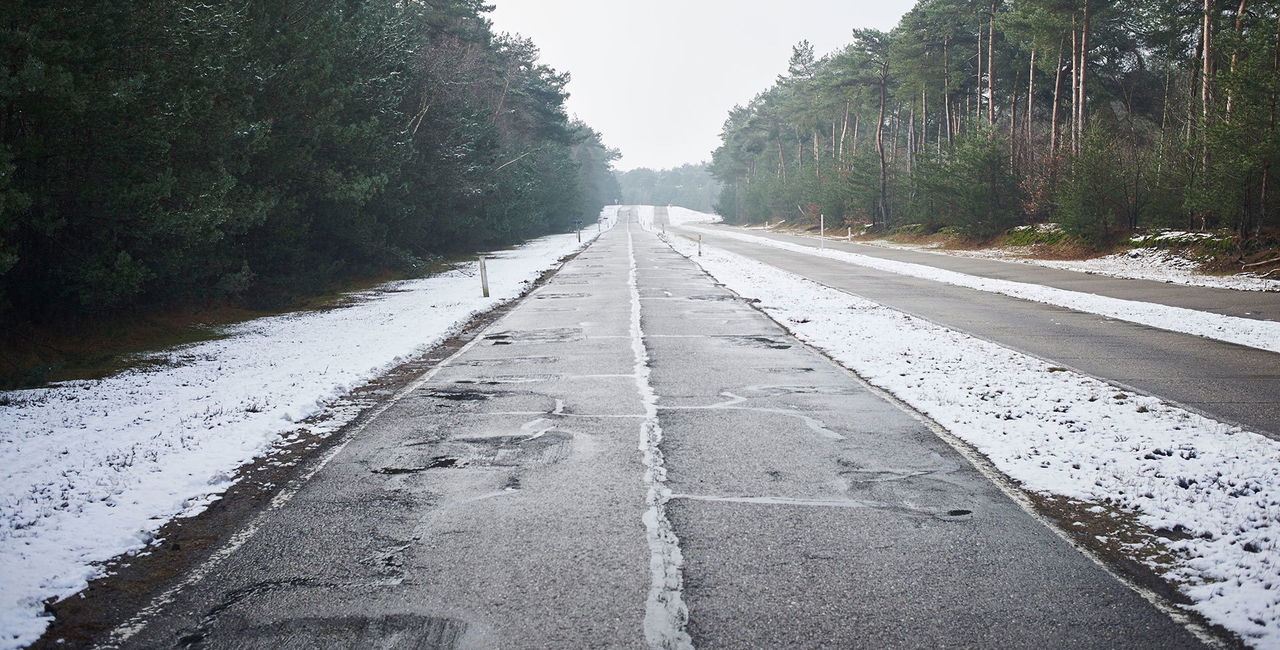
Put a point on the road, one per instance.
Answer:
(539, 487)
(1227, 382)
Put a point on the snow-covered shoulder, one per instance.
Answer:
(93, 468)
(1057, 432)
(1261, 334)
(680, 216)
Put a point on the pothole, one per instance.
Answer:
(436, 463)
(554, 335)
(758, 342)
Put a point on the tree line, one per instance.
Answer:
(978, 115)
(689, 186)
(158, 152)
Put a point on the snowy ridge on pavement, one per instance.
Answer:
(665, 611)
(93, 468)
(1264, 335)
(1062, 433)
(1154, 264)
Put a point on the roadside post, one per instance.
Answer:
(699, 245)
(822, 231)
(484, 278)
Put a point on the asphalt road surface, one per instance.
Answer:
(514, 498)
(1227, 382)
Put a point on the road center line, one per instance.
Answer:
(665, 610)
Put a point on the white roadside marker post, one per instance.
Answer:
(484, 278)
(822, 231)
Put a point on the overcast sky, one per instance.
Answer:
(658, 77)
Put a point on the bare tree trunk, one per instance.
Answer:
(1206, 58)
(782, 160)
(1013, 125)
(857, 126)
(978, 114)
(1084, 70)
(946, 84)
(1206, 79)
(1235, 55)
(897, 133)
(1031, 87)
(1075, 83)
(883, 207)
(1057, 91)
(911, 137)
(991, 68)
(844, 130)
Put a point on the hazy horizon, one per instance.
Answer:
(658, 79)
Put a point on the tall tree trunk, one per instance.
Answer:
(782, 160)
(1013, 125)
(911, 137)
(1235, 55)
(978, 113)
(1084, 71)
(897, 133)
(1206, 59)
(857, 127)
(1075, 83)
(991, 68)
(1057, 101)
(844, 130)
(1031, 87)
(946, 84)
(1206, 80)
(883, 207)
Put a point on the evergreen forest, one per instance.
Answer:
(689, 186)
(162, 152)
(973, 116)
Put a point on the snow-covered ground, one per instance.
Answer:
(1158, 264)
(91, 469)
(1264, 335)
(1058, 432)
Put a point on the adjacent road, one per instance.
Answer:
(1227, 382)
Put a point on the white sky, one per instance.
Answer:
(658, 77)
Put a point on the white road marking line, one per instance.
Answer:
(665, 610)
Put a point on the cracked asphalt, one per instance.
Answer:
(500, 502)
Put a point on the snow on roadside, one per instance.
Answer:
(1063, 433)
(1264, 335)
(1159, 265)
(680, 216)
(93, 468)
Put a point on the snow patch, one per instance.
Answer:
(1264, 335)
(665, 610)
(92, 469)
(1058, 432)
